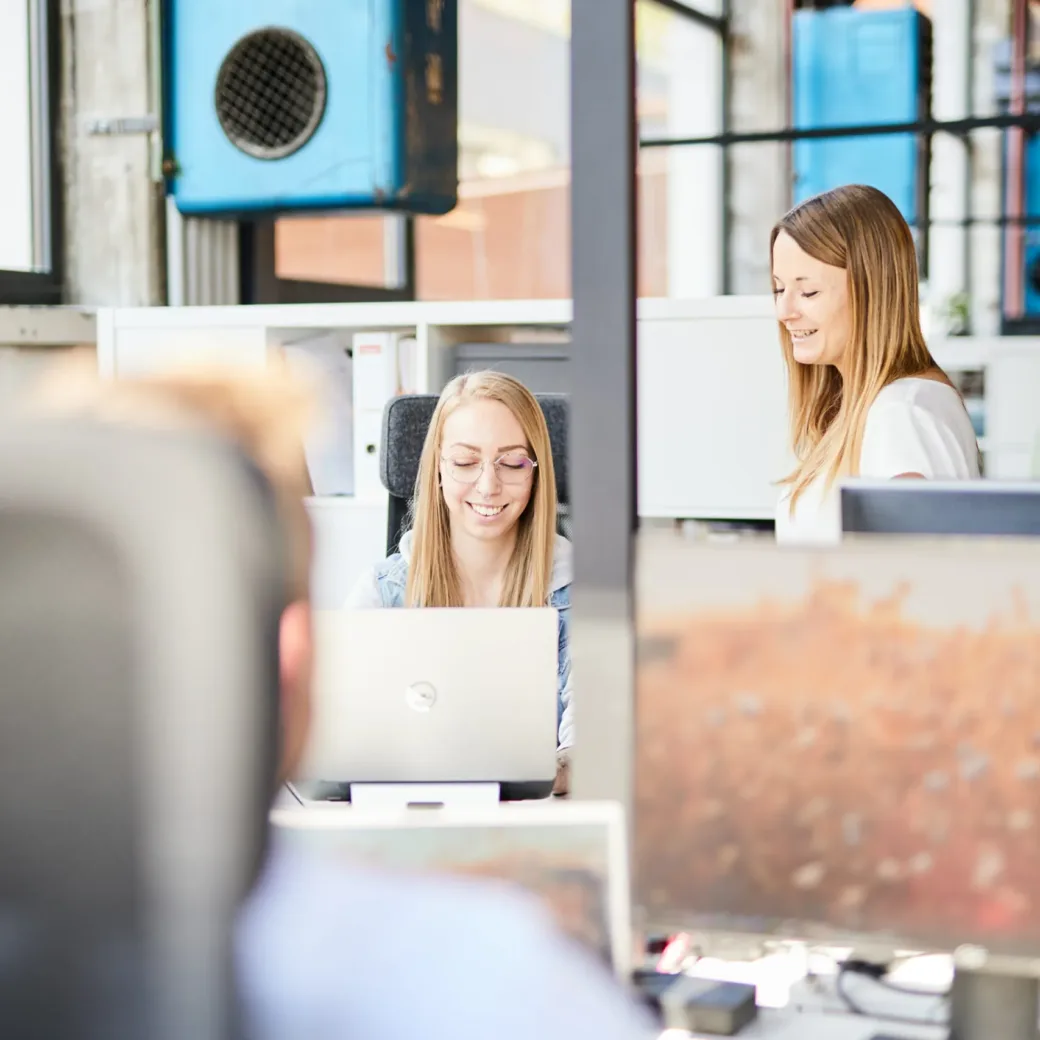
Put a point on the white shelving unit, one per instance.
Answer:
(1011, 370)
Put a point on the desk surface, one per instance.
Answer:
(790, 1025)
(797, 1005)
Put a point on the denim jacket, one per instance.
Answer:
(384, 586)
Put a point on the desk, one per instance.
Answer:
(812, 1009)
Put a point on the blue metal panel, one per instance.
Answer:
(858, 67)
(366, 152)
(1031, 258)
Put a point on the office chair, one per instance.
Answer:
(138, 699)
(405, 422)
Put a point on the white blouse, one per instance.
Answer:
(914, 426)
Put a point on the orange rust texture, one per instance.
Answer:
(831, 761)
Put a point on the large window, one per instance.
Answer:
(509, 235)
(28, 260)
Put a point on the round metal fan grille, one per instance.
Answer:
(270, 93)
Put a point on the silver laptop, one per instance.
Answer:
(434, 696)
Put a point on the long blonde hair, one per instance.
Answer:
(433, 579)
(859, 229)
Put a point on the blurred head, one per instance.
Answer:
(846, 287)
(266, 414)
(486, 476)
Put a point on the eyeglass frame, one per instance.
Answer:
(450, 463)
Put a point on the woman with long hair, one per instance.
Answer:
(866, 396)
(483, 531)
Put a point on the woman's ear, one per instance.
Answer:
(295, 666)
(294, 642)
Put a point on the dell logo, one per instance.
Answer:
(420, 696)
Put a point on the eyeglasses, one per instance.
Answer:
(512, 468)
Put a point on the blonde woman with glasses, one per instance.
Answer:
(866, 396)
(483, 530)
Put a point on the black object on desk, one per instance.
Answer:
(961, 507)
(697, 1005)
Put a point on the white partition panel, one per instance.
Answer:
(712, 410)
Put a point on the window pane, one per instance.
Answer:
(346, 250)
(16, 114)
(512, 239)
(509, 237)
(679, 95)
(506, 240)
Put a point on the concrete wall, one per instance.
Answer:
(112, 209)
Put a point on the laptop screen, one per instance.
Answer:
(571, 856)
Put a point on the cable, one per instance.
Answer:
(911, 991)
(877, 972)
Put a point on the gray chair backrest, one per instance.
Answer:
(142, 584)
(405, 422)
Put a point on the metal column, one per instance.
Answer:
(603, 424)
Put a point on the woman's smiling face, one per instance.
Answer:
(812, 303)
(482, 443)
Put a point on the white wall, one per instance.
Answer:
(16, 202)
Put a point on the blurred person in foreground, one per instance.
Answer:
(327, 951)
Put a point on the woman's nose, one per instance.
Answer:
(785, 308)
(487, 482)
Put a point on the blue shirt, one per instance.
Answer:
(333, 953)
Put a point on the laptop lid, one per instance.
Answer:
(434, 696)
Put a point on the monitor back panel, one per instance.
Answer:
(963, 507)
(437, 695)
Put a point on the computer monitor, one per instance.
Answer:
(840, 745)
(962, 507)
(573, 856)
(438, 696)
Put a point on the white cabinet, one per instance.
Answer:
(712, 389)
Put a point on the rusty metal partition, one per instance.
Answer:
(840, 743)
